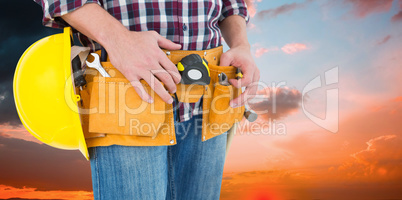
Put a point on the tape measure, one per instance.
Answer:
(194, 70)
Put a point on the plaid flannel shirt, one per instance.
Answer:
(193, 24)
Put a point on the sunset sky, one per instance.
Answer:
(352, 46)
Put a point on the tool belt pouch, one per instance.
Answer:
(218, 116)
(115, 107)
(112, 106)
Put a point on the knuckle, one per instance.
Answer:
(153, 32)
(226, 56)
(164, 77)
(176, 75)
(164, 96)
(140, 90)
(148, 61)
(246, 81)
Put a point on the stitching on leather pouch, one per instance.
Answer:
(221, 87)
(169, 119)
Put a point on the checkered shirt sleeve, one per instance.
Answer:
(53, 9)
(234, 7)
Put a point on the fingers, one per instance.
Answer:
(139, 88)
(165, 78)
(225, 60)
(248, 93)
(166, 44)
(170, 68)
(157, 86)
(248, 77)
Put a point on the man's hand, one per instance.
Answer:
(241, 57)
(137, 55)
(234, 31)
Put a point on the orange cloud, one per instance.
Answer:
(293, 48)
(29, 164)
(10, 131)
(363, 8)
(380, 161)
(397, 99)
(254, 185)
(300, 184)
(371, 173)
(7, 192)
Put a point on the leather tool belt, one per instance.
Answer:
(113, 113)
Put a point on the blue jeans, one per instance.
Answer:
(189, 170)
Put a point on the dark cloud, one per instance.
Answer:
(286, 8)
(20, 26)
(40, 166)
(8, 113)
(276, 106)
(21, 18)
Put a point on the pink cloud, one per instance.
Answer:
(286, 8)
(251, 26)
(293, 48)
(260, 51)
(384, 40)
(398, 16)
(19, 132)
(363, 8)
(252, 7)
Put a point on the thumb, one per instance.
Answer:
(167, 44)
(226, 59)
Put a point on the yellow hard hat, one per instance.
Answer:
(44, 93)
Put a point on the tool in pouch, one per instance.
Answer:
(250, 115)
(97, 65)
(194, 70)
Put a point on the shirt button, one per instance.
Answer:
(184, 27)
